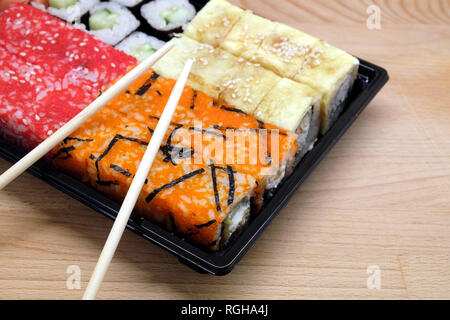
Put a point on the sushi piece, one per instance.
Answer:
(332, 72)
(296, 107)
(68, 10)
(221, 75)
(140, 45)
(247, 35)
(213, 23)
(285, 50)
(128, 3)
(49, 71)
(198, 195)
(211, 66)
(167, 15)
(111, 22)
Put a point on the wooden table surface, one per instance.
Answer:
(380, 198)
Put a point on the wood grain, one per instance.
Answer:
(380, 198)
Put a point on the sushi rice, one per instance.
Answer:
(111, 22)
(140, 45)
(68, 10)
(167, 15)
(128, 3)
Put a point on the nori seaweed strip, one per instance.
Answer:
(65, 150)
(209, 132)
(232, 109)
(232, 185)
(147, 85)
(194, 97)
(212, 244)
(76, 139)
(155, 192)
(205, 225)
(214, 181)
(113, 142)
(261, 124)
(120, 170)
(232, 182)
(167, 149)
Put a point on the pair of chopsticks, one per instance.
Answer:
(143, 170)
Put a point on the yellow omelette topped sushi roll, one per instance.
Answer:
(247, 86)
(291, 54)
(214, 22)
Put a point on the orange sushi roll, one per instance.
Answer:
(246, 142)
(202, 196)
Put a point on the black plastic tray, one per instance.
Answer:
(371, 79)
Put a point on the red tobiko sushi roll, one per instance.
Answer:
(49, 72)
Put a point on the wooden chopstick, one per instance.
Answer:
(46, 146)
(136, 186)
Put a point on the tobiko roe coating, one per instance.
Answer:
(49, 72)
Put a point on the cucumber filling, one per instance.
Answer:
(235, 220)
(142, 52)
(175, 14)
(103, 19)
(62, 4)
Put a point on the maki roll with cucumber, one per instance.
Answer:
(140, 45)
(111, 22)
(167, 15)
(68, 10)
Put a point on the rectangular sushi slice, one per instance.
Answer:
(197, 195)
(247, 85)
(284, 50)
(211, 66)
(296, 107)
(247, 35)
(50, 72)
(213, 23)
(332, 72)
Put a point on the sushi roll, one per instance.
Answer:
(251, 88)
(295, 107)
(167, 15)
(128, 3)
(111, 22)
(140, 45)
(213, 23)
(247, 35)
(284, 50)
(332, 72)
(68, 10)
(189, 191)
